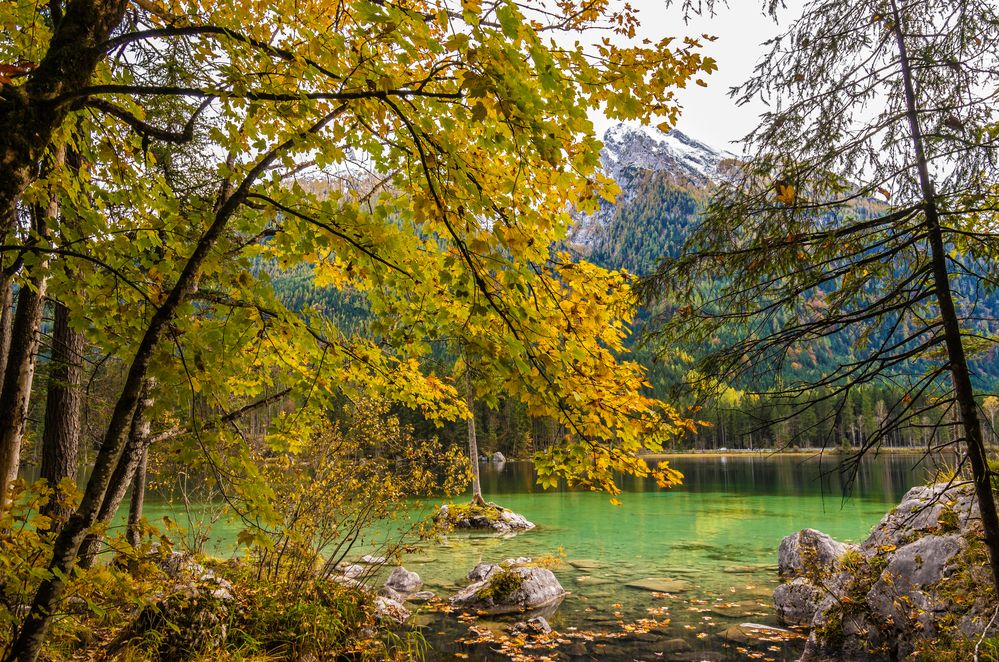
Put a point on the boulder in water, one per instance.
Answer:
(481, 517)
(404, 581)
(808, 553)
(509, 588)
(661, 585)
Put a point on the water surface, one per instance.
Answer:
(718, 532)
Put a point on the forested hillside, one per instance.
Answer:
(665, 180)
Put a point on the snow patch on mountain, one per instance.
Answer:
(631, 150)
(648, 148)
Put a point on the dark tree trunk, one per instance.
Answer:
(14, 401)
(61, 435)
(964, 392)
(6, 320)
(19, 374)
(28, 115)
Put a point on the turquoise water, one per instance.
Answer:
(718, 533)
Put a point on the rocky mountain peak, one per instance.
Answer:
(648, 148)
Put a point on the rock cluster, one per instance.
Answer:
(401, 586)
(514, 585)
(920, 576)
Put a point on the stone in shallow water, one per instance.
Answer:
(590, 580)
(675, 645)
(749, 568)
(697, 656)
(745, 633)
(661, 585)
(421, 596)
(739, 609)
(404, 581)
(585, 564)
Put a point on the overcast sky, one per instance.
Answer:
(709, 114)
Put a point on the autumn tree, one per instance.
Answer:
(450, 138)
(869, 189)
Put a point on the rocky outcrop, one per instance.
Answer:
(919, 577)
(809, 552)
(514, 585)
(488, 517)
(498, 457)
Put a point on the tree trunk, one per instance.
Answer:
(473, 444)
(6, 320)
(28, 116)
(124, 473)
(138, 497)
(61, 435)
(964, 392)
(14, 402)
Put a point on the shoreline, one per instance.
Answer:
(798, 452)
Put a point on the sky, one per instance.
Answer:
(709, 114)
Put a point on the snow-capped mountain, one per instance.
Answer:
(648, 148)
(634, 157)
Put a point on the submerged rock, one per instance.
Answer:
(510, 587)
(745, 633)
(661, 585)
(917, 578)
(421, 596)
(586, 564)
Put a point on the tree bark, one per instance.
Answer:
(6, 320)
(14, 402)
(61, 435)
(964, 392)
(138, 497)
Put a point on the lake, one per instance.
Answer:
(718, 532)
